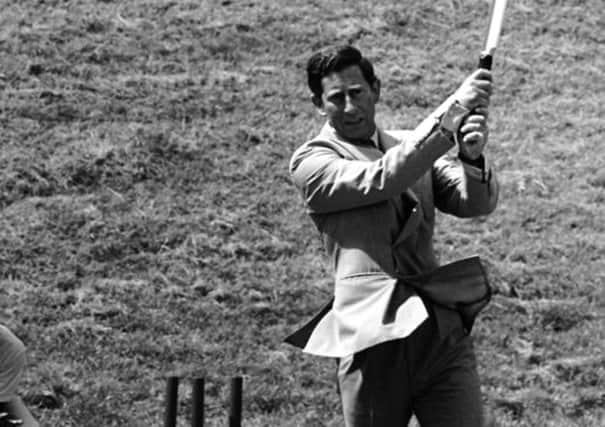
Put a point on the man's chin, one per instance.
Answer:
(356, 134)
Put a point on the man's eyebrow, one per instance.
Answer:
(345, 89)
(335, 92)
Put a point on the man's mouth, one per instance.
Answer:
(353, 122)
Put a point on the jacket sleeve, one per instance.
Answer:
(329, 182)
(12, 361)
(464, 190)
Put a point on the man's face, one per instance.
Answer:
(348, 101)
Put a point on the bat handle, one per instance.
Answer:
(485, 61)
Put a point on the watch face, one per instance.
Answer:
(458, 109)
(447, 122)
(453, 117)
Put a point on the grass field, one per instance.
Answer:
(148, 225)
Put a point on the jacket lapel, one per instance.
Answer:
(407, 204)
(349, 150)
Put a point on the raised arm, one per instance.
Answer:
(329, 182)
(463, 189)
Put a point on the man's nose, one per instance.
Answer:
(350, 106)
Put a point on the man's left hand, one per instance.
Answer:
(473, 133)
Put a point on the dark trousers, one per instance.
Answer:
(434, 378)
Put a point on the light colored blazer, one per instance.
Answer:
(375, 211)
(12, 361)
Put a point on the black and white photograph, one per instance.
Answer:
(288, 213)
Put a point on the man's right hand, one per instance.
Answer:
(476, 90)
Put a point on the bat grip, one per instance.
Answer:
(485, 61)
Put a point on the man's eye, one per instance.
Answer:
(337, 99)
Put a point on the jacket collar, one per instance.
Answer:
(382, 142)
(366, 152)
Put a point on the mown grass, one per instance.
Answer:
(148, 224)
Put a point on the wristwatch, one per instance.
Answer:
(450, 121)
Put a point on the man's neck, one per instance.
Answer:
(373, 139)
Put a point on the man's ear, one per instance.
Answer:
(376, 90)
(317, 101)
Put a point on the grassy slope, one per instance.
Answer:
(148, 224)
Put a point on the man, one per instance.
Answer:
(12, 360)
(401, 346)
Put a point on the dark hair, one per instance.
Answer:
(330, 60)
